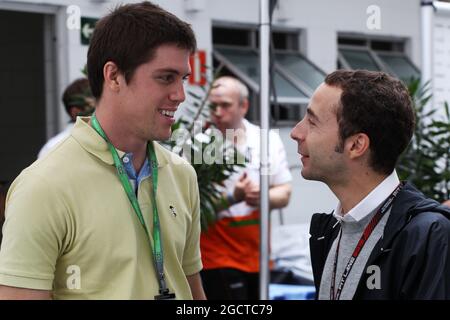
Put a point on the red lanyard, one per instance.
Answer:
(362, 241)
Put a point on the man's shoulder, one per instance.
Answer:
(33, 187)
(53, 142)
(421, 212)
(417, 228)
(66, 151)
(429, 221)
(64, 162)
(250, 125)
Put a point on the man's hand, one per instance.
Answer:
(246, 190)
(240, 187)
(252, 195)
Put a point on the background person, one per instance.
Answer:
(78, 101)
(230, 247)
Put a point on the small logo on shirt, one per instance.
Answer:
(172, 210)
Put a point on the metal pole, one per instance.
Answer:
(427, 45)
(264, 40)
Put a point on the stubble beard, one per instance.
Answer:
(326, 173)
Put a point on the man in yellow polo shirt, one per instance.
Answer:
(110, 214)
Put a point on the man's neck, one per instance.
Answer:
(121, 137)
(356, 189)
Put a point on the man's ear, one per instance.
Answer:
(244, 107)
(357, 145)
(112, 76)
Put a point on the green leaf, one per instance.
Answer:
(425, 161)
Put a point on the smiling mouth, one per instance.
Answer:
(302, 155)
(167, 113)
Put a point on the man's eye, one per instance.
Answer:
(167, 78)
(311, 123)
(213, 106)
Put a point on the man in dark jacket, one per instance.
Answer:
(384, 240)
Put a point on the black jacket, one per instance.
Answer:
(413, 255)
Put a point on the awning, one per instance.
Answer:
(392, 62)
(295, 77)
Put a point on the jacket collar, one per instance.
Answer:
(93, 143)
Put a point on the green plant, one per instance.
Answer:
(426, 161)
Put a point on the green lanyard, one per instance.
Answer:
(157, 248)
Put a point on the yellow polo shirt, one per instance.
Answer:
(71, 229)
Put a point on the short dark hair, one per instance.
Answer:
(378, 105)
(129, 37)
(76, 93)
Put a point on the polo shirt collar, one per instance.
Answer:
(93, 143)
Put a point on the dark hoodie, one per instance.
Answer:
(413, 255)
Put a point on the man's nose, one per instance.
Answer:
(178, 94)
(217, 111)
(297, 133)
